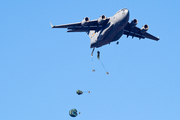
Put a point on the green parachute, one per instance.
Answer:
(79, 92)
(73, 113)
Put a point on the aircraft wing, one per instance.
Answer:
(77, 27)
(136, 32)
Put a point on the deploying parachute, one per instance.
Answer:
(98, 55)
(73, 113)
(79, 92)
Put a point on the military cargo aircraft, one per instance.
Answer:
(105, 30)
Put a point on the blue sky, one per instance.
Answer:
(41, 68)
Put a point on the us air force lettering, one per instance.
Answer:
(106, 30)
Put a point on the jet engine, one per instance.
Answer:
(101, 19)
(133, 23)
(85, 21)
(144, 28)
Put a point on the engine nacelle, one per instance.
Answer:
(144, 28)
(133, 23)
(85, 21)
(101, 19)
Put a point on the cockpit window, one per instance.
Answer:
(121, 10)
(124, 9)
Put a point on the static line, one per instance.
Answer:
(103, 67)
(92, 63)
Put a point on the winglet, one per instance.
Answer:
(51, 25)
(158, 38)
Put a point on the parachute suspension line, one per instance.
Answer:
(92, 64)
(98, 56)
(87, 92)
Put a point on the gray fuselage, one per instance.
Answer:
(112, 31)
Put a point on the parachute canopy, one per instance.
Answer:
(79, 92)
(73, 113)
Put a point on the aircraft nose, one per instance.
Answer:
(126, 11)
